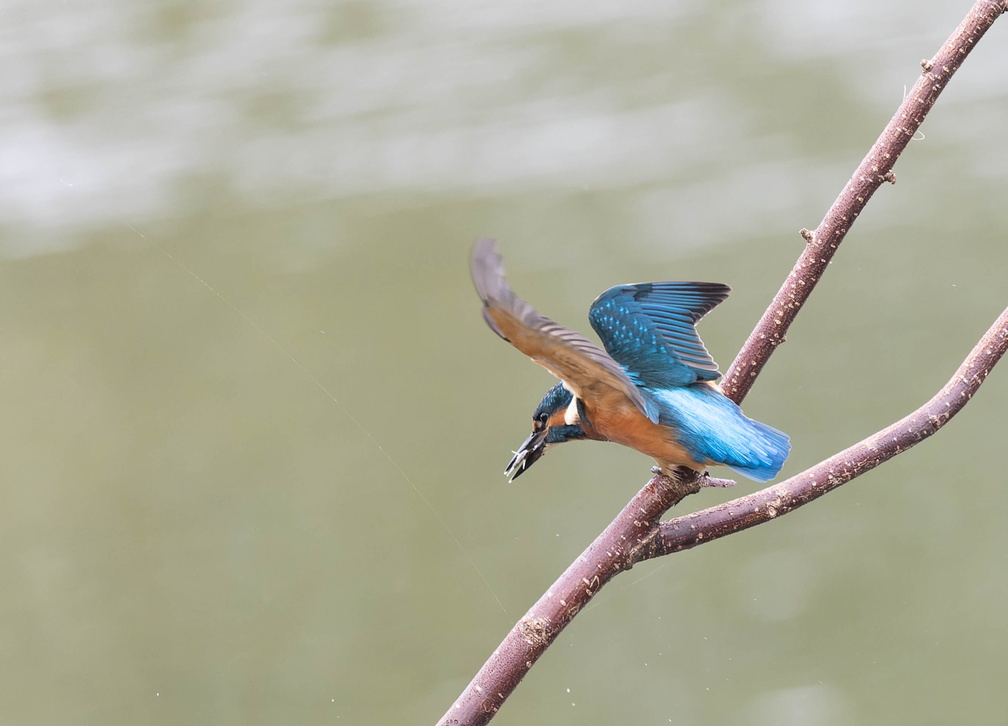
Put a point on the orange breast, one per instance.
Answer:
(628, 426)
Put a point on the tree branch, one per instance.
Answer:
(627, 540)
(690, 530)
(874, 169)
(636, 534)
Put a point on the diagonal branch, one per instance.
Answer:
(628, 539)
(637, 534)
(874, 169)
(690, 530)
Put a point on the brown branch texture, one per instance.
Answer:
(874, 169)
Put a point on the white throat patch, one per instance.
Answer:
(571, 416)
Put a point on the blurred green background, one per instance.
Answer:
(254, 426)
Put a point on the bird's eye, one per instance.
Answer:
(542, 418)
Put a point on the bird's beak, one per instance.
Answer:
(528, 453)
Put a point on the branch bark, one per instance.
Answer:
(637, 533)
(874, 169)
(690, 530)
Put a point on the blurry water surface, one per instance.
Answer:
(254, 426)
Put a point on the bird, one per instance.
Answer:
(653, 387)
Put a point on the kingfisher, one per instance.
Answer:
(653, 388)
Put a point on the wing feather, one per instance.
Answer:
(649, 329)
(589, 372)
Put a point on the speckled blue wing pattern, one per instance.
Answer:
(649, 329)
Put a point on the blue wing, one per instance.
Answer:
(648, 328)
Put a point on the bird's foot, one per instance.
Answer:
(669, 477)
(705, 479)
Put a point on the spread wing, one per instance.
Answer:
(649, 328)
(589, 373)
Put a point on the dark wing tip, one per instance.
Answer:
(485, 253)
(699, 298)
(487, 269)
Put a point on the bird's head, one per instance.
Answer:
(557, 418)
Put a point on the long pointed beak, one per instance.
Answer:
(528, 453)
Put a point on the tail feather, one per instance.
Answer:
(767, 451)
(713, 429)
